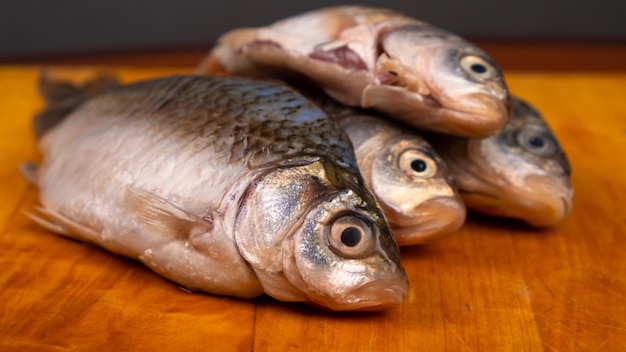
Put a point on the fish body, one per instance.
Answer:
(376, 58)
(226, 185)
(522, 172)
(409, 179)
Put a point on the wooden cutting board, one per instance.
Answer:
(497, 285)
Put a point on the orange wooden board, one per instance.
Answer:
(496, 285)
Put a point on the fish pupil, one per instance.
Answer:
(351, 236)
(478, 68)
(536, 142)
(418, 165)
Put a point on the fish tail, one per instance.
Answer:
(228, 51)
(211, 66)
(62, 95)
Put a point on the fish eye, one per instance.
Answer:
(536, 142)
(417, 164)
(478, 67)
(350, 236)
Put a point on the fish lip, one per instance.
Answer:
(376, 296)
(436, 218)
(567, 206)
(487, 116)
(438, 112)
(546, 204)
(555, 197)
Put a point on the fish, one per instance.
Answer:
(522, 172)
(411, 182)
(226, 185)
(370, 57)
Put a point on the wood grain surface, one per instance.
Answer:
(497, 285)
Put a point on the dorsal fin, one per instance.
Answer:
(62, 96)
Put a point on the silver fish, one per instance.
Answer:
(411, 182)
(376, 58)
(226, 185)
(522, 172)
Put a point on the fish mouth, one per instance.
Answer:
(431, 220)
(375, 296)
(553, 201)
(541, 202)
(476, 115)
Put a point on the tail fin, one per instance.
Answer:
(62, 96)
(226, 55)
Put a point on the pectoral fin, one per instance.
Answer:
(164, 218)
(189, 251)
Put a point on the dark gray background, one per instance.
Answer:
(31, 27)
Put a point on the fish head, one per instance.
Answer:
(417, 192)
(451, 85)
(411, 181)
(522, 172)
(313, 233)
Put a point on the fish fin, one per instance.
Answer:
(163, 217)
(28, 169)
(238, 38)
(62, 225)
(62, 96)
(193, 255)
(49, 225)
(228, 55)
(210, 65)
